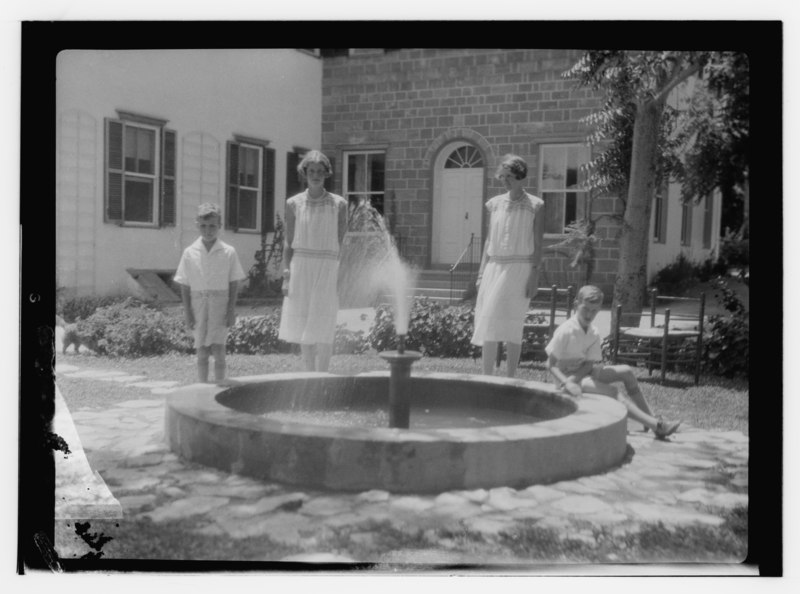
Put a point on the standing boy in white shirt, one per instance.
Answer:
(209, 273)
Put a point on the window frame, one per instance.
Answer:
(258, 189)
(687, 210)
(660, 210)
(265, 196)
(581, 206)
(346, 194)
(127, 124)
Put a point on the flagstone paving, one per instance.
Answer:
(689, 480)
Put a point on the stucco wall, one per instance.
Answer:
(206, 96)
(663, 254)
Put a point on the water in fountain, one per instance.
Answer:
(371, 267)
(428, 417)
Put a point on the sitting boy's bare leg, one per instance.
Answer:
(592, 385)
(324, 352)
(202, 363)
(513, 351)
(309, 353)
(624, 374)
(218, 351)
(489, 356)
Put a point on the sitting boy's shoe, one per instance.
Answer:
(664, 429)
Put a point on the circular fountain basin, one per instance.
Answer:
(330, 432)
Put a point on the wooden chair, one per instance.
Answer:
(674, 338)
(558, 303)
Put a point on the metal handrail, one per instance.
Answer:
(463, 253)
(469, 249)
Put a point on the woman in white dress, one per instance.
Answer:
(509, 274)
(316, 221)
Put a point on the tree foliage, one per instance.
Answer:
(647, 141)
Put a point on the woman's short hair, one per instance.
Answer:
(314, 156)
(208, 209)
(515, 165)
(589, 294)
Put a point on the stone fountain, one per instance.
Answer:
(394, 430)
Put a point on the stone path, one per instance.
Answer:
(686, 481)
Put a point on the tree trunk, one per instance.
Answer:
(631, 283)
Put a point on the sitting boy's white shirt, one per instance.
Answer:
(571, 345)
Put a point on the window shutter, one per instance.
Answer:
(329, 181)
(232, 197)
(294, 184)
(168, 198)
(268, 190)
(114, 171)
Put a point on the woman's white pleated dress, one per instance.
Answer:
(501, 304)
(309, 311)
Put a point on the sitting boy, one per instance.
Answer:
(574, 358)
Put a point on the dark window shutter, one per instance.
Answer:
(330, 181)
(268, 191)
(114, 172)
(168, 198)
(294, 184)
(232, 197)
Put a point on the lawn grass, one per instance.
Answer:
(381, 542)
(716, 404)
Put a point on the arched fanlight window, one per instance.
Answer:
(464, 157)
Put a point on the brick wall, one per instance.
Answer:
(414, 101)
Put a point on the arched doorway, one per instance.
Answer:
(457, 200)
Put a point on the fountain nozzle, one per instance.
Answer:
(401, 343)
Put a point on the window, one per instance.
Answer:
(660, 216)
(708, 218)
(250, 202)
(686, 223)
(464, 157)
(365, 177)
(139, 171)
(561, 184)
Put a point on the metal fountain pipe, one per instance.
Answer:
(400, 362)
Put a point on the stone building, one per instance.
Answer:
(420, 133)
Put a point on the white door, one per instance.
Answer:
(458, 201)
(461, 203)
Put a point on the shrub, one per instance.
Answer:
(438, 330)
(132, 328)
(257, 335)
(349, 342)
(434, 329)
(734, 252)
(264, 279)
(675, 278)
(727, 344)
(73, 309)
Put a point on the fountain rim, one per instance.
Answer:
(590, 412)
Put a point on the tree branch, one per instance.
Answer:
(676, 79)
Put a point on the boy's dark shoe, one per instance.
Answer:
(664, 428)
